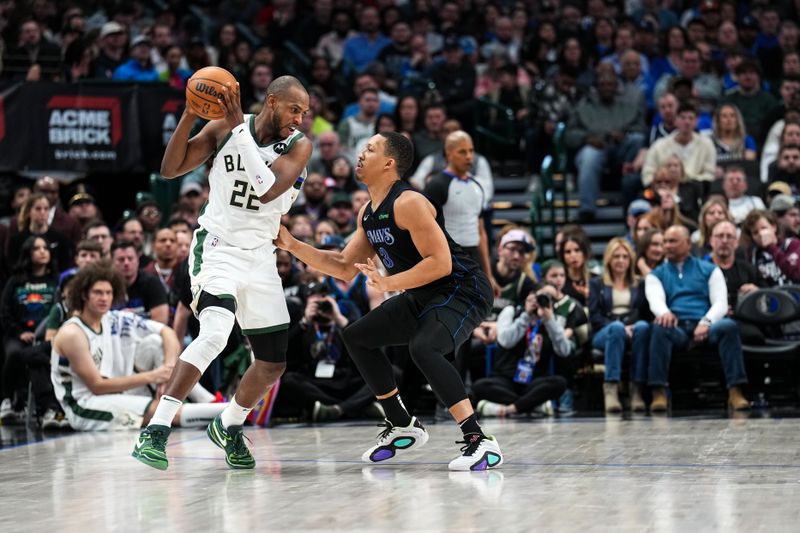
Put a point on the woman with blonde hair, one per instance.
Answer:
(714, 210)
(729, 136)
(614, 302)
(671, 177)
(670, 212)
(34, 219)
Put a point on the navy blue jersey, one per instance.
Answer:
(397, 250)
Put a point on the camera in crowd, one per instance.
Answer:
(544, 300)
(324, 312)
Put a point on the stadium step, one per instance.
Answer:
(511, 183)
(512, 204)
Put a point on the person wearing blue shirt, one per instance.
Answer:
(139, 67)
(363, 49)
(386, 102)
(689, 299)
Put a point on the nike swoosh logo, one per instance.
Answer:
(140, 443)
(366, 217)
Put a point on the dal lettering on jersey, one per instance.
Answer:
(238, 166)
(380, 235)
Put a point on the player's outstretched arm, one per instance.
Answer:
(71, 343)
(340, 265)
(414, 213)
(182, 154)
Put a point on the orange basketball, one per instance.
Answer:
(204, 88)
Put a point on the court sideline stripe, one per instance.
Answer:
(511, 464)
(61, 437)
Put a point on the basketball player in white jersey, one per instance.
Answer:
(257, 159)
(95, 353)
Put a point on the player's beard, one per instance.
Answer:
(276, 124)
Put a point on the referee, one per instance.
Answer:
(462, 199)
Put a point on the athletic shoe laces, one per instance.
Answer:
(158, 439)
(471, 443)
(388, 427)
(239, 446)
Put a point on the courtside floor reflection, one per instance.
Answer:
(693, 471)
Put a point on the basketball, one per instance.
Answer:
(203, 89)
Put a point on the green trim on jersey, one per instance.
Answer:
(269, 329)
(253, 132)
(90, 328)
(197, 252)
(225, 296)
(82, 412)
(292, 139)
(298, 135)
(202, 209)
(224, 141)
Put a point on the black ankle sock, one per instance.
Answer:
(395, 411)
(470, 425)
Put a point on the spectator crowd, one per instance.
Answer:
(690, 109)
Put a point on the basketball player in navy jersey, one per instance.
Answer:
(445, 296)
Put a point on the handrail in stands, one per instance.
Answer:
(505, 135)
(299, 62)
(553, 172)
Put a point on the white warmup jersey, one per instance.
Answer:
(234, 213)
(113, 351)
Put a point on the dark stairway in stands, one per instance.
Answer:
(513, 201)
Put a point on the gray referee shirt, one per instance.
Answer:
(461, 201)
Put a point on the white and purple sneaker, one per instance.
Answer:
(396, 439)
(480, 452)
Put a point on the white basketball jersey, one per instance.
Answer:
(233, 212)
(113, 350)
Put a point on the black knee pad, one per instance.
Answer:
(270, 347)
(209, 300)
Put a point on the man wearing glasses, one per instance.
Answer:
(741, 277)
(99, 231)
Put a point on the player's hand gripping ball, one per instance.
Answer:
(203, 90)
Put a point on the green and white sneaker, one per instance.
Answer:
(480, 452)
(150, 449)
(237, 455)
(394, 439)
